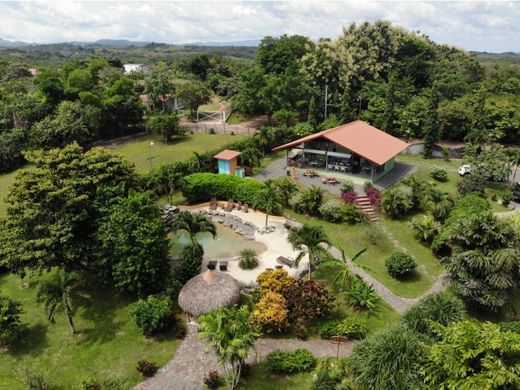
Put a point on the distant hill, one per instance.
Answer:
(484, 56)
(245, 43)
(6, 43)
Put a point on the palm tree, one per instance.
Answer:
(263, 138)
(345, 272)
(250, 157)
(313, 237)
(268, 200)
(194, 224)
(230, 333)
(57, 294)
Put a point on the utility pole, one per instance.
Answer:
(326, 99)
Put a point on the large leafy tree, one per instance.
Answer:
(485, 263)
(134, 244)
(65, 126)
(122, 108)
(193, 94)
(315, 240)
(57, 294)
(473, 355)
(165, 125)
(51, 215)
(231, 334)
(276, 54)
(159, 88)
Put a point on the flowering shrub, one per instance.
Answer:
(271, 313)
(213, 380)
(349, 197)
(309, 300)
(374, 196)
(277, 281)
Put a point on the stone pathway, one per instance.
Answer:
(194, 359)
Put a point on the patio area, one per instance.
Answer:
(279, 169)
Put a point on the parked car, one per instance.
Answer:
(464, 169)
(516, 191)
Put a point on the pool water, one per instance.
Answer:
(227, 243)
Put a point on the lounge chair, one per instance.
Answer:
(239, 205)
(246, 208)
(213, 204)
(212, 264)
(285, 261)
(223, 265)
(230, 206)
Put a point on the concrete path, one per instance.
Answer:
(195, 358)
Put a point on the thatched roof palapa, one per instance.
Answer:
(208, 291)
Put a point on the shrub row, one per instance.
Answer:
(201, 187)
(290, 362)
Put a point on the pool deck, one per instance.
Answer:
(275, 241)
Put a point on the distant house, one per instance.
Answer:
(228, 163)
(355, 148)
(130, 68)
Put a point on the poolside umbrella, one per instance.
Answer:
(208, 291)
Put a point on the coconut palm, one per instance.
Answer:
(194, 224)
(313, 237)
(345, 273)
(57, 294)
(268, 200)
(230, 333)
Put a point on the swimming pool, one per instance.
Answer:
(226, 244)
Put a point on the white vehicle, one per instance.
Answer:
(464, 169)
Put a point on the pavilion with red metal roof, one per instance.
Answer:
(354, 148)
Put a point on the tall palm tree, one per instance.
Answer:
(230, 333)
(194, 224)
(264, 137)
(345, 273)
(268, 200)
(313, 237)
(57, 294)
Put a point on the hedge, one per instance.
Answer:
(201, 187)
(290, 362)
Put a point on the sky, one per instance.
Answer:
(492, 26)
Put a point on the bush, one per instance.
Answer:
(329, 375)
(296, 204)
(190, 261)
(347, 186)
(442, 308)
(146, 368)
(426, 228)
(374, 196)
(152, 314)
(248, 259)
(511, 326)
(507, 196)
(10, 323)
(361, 295)
(308, 300)
(331, 211)
(388, 360)
(312, 200)
(277, 280)
(213, 380)
(271, 313)
(439, 175)
(349, 197)
(201, 187)
(442, 208)
(398, 202)
(400, 264)
(474, 183)
(290, 362)
(352, 214)
(351, 328)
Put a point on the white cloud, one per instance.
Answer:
(491, 26)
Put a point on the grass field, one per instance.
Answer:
(259, 379)
(353, 238)
(139, 151)
(107, 347)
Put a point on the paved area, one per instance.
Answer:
(195, 358)
(278, 168)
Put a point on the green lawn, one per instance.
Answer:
(353, 238)
(260, 379)
(107, 347)
(236, 118)
(139, 151)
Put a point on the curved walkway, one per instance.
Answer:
(194, 359)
